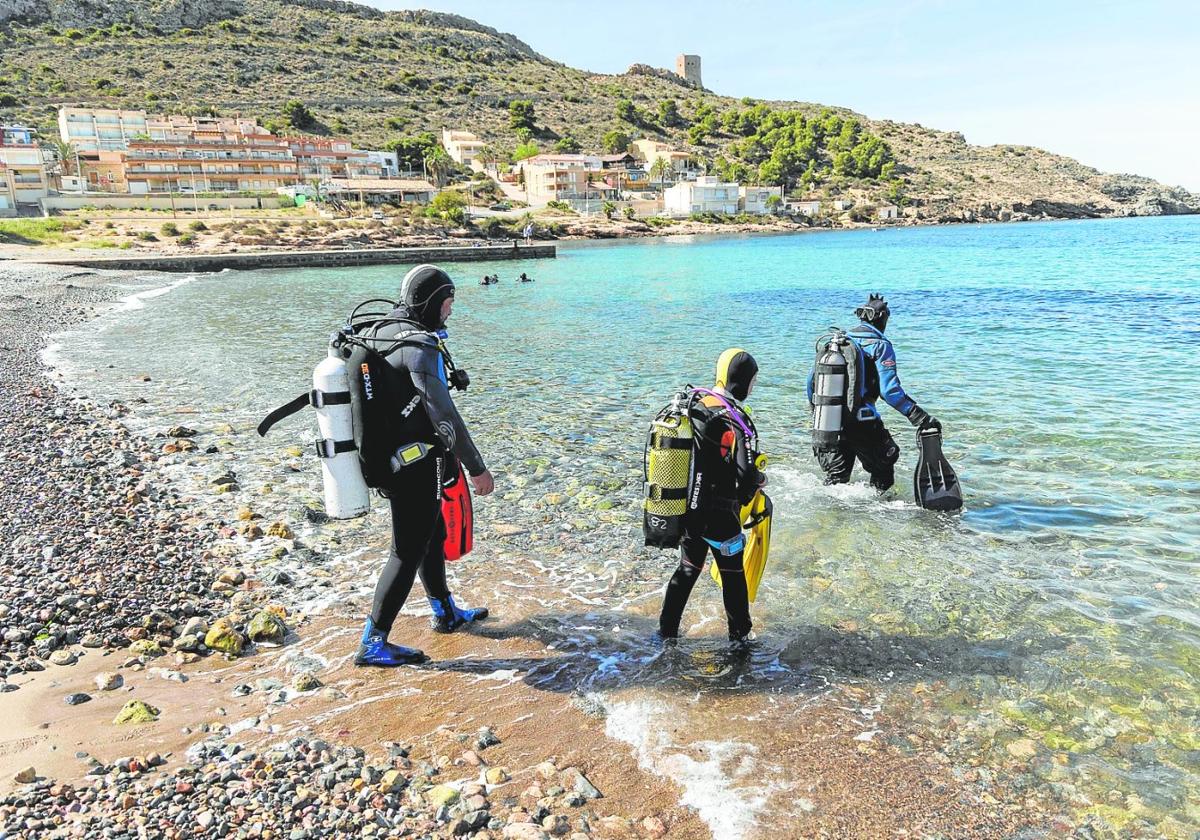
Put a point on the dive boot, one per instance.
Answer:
(377, 651)
(448, 617)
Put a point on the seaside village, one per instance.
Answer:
(112, 159)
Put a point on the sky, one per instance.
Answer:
(1115, 85)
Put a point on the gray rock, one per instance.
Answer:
(77, 698)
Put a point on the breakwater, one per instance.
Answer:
(306, 259)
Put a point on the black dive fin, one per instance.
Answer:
(935, 484)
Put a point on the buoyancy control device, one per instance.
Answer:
(835, 376)
(672, 487)
(369, 415)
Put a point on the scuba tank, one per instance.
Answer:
(346, 494)
(833, 387)
(667, 466)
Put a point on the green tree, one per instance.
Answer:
(567, 145)
(629, 213)
(608, 209)
(773, 202)
(626, 112)
(660, 170)
(438, 164)
(521, 115)
(298, 115)
(668, 114)
(448, 205)
(615, 141)
(412, 150)
(525, 150)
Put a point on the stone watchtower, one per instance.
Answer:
(688, 66)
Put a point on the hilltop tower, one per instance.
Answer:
(688, 66)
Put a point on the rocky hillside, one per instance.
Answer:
(379, 76)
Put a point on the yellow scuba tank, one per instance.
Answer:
(668, 472)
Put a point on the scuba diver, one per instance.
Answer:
(410, 339)
(853, 370)
(725, 478)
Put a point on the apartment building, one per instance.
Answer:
(462, 146)
(324, 158)
(707, 194)
(25, 167)
(229, 165)
(559, 177)
(91, 130)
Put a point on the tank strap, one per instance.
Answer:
(656, 493)
(315, 398)
(659, 441)
(328, 447)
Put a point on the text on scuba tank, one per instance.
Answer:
(368, 387)
(408, 409)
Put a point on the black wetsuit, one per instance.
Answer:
(727, 480)
(418, 530)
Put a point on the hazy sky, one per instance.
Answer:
(1115, 85)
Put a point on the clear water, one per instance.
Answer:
(1059, 608)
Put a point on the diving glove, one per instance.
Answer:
(448, 616)
(922, 419)
(376, 650)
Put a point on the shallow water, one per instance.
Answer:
(1059, 607)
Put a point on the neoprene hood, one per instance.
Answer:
(875, 312)
(735, 371)
(423, 291)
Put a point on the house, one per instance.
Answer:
(552, 177)
(103, 172)
(8, 197)
(624, 160)
(388, 163)
(25, 165)
(231, 165)
(648, 152)
(888, 211)
(756, 199)
(841, 205)
(377, 190)
(462, 146)
(805, 208)
(707, 194)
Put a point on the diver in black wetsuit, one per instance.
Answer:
(418, 530)
(726, 479)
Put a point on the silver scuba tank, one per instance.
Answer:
(829, 396)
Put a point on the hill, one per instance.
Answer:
(378, 77)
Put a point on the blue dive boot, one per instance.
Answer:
(376, 650)
(448, 617)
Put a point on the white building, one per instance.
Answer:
(25, 166)
(100, 129)
(388, 163)
(840, 205)
(889, 211)
(707, 194)
(806, 208)
(462, 146)
(754, 199)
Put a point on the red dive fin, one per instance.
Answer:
(459, 516)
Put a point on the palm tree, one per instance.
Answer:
(660, 170)
(437, 164)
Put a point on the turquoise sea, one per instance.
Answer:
(1050, 631)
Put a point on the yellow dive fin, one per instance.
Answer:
(757, 517)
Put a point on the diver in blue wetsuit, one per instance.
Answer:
(863, 434)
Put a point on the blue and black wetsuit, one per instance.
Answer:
(863, 434)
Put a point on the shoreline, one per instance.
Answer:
(405, 249)
(504, 675)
